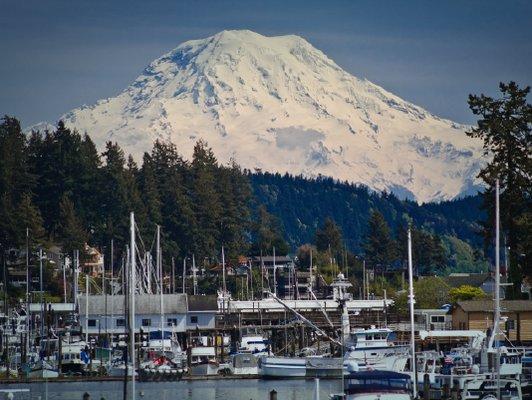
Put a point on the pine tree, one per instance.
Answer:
(329, 237)
(505, 127)
(114, 206)
(71, 231)
(267, 234)
(29, 216)
(206, 201)
(379, 245)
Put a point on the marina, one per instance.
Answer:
(250, 220)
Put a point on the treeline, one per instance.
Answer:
(56, 184)
(445, 235)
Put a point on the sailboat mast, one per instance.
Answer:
(132, 304)
(87, 309)
(224, 287)
(41, 288)
(411, 303)
(274, 273)
(161, 300)
(28, 328)
(194, 276)
(497, 310)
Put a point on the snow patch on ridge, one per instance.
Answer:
(281, 105)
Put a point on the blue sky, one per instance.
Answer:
(57, 55)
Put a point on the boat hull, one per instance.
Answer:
(283, 367)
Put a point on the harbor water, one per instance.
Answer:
(226, 389)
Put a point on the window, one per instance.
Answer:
(193, 319)
(171, 321)
(146, 322)
(92, 323)
(437, 318)
(120, 322)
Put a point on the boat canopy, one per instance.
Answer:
(376, 374)
(156, 335)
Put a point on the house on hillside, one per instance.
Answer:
(93, 264)
(485, 281)
(478, 315)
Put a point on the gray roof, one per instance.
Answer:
(456, 280)
(202, 303)
(144, 304)
(487, 305)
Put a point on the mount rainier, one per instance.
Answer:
(278, 104)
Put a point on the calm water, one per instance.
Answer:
(237, 389)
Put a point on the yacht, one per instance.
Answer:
(373, 348)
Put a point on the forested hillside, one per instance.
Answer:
(56, 184)
(303, 204)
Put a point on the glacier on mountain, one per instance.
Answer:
(279, 104)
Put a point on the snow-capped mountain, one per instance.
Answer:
(279, 104)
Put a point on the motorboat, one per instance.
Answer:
(43, 370)
(254, 344)
(373, 348)
(283, 367)
(203, 361)
(240, 364)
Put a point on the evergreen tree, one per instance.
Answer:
(71, 231)
(114, 206)
(235, 196)
(379, 246)
(505, 127)
(329, 237)
(176, 215)
(206, 201)
(29, 216)
(266, 234)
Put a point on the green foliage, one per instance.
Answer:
(505, 126)
(267, 234)
(429, 292)
(379, 246)
(462, 257)
(71, 231)
(466, 292)
(329, 237)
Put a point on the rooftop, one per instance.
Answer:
(487, 305)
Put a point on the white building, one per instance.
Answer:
(181, 313)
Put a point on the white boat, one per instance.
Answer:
(283, 367)
(74, 357)
(372, 348)
(486, 389)
(43, 370)
(240, 364)
(165, 345)
(254, 344)
(203, 361)
(119, 370)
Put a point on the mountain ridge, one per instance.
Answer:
(278, 104)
